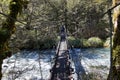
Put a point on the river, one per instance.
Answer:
(35, 65)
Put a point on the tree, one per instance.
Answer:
(115, 68)
(8, 28)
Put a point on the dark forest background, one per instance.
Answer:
(84, 20)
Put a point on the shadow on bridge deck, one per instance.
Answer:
(79, 69)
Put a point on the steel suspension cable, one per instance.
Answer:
(36, 36)
(36, 33)
(12, 18)
(13, 76)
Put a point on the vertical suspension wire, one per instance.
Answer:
(14, 62)
(111, 50)
(14, 65)
(40, 68)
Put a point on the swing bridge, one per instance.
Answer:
(62, 64)
(62, 68)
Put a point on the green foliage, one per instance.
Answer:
(6, 53)
(116, 55)
(15, 8)
(71, 38)
(48, 43)
(107, 42)
(74, 42)
(83, 15)
(95, 42)
(85, 43)
(86, 16)
(32, 43)
(4, 35)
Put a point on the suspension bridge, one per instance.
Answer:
(61, 68)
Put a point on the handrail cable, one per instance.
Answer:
(38, 53)
(12, 18)
(110, 9)
(56, 57)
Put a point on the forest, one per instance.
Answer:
(31, 30)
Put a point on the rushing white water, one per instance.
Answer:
(96, 61)
(25, 64)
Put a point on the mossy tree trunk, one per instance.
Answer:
(8, 28)
(115, 69)
(116, 50)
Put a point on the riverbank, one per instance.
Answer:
(51, 43)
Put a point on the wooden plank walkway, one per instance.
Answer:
(61, 69)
